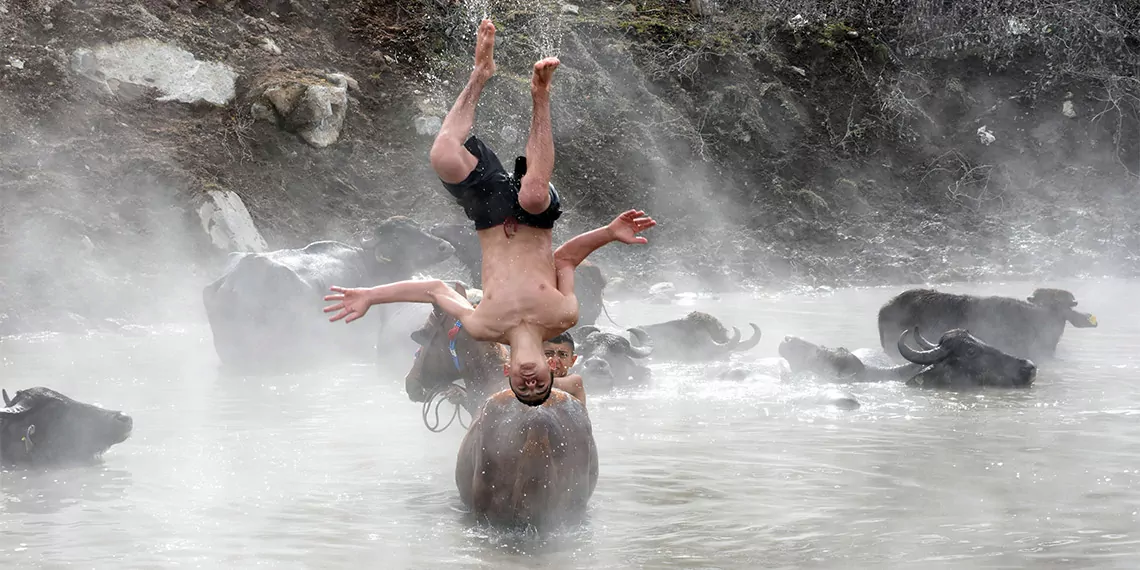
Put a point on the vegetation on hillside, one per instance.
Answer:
(780, 143)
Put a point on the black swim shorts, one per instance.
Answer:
(490, 196)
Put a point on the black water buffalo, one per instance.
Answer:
(589, 283)
(606, 360)
(1027, 329)
(434, 368)
(697, 337)
(265, 310)
(40, 427)
(959, 361)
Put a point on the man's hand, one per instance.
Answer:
(629, 223)
(353, 303)
(570, 254)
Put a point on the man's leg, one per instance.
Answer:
(534, 196)
(451, 161)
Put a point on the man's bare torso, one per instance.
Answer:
(520, 286)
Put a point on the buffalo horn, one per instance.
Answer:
(731, 342)
(921, 340)
(640, 336)
(921, 357)
(750, 343)
(7, 400)
(637, 351)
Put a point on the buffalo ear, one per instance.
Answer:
(420, 337)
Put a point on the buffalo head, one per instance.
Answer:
(40, 426)
(400, 246)
(1061, 302)
(606, 360)
(479, 364)
(803, 356)
(960, 360)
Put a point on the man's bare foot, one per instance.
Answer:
(485, 49)
(543, 75)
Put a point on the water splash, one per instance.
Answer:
(548, 30)
(478, 10)
(544, 32)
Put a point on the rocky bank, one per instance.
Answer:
(779, 144)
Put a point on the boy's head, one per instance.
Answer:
(560, 352)
(530, 375)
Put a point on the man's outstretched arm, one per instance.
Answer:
(574, 252)
(354, 303)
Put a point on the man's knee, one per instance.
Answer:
(534, 196)
(451, 161)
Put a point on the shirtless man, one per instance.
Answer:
(528, 290)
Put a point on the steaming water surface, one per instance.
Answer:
(335, 468)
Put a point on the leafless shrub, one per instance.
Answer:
(973, 186)
(238, 133)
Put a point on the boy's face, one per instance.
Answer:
(530, 380)
(561, 358)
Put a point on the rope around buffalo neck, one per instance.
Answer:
(438, 397)
(440, 394)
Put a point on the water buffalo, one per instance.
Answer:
(1027, 329)
(589, 283)
(697, 337)
(959, 361)
(962, 361)
(41, 427)
(265, 310)
(606, 360)
(436, 367)
(518, 465)
(522, 465)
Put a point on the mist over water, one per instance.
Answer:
(333, 467)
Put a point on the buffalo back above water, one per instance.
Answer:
(265, 309)
(1029, 328)
(528, 465)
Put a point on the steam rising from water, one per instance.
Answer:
(694, 471)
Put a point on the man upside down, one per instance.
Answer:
(528, 289)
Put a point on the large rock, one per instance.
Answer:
(226, 220)
(131, 66)
(313, 106)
